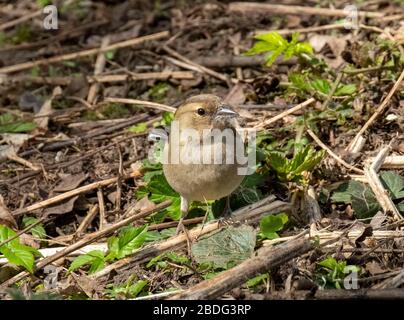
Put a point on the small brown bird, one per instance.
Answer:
(203, 177)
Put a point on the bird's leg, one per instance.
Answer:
(181, 227)
(184, 211)
(227, 209)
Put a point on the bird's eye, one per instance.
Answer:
(201, 111)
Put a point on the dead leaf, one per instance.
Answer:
(29, 102)
(374, 268)
(42, 117)
(30, 241)
(378, 219)
(70, 182)
(144, 204)
(236, 95)
(61, 208)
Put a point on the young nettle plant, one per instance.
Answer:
(331, 273)
(297, 168)
(128, 241)
(15, 252)
(274, 45)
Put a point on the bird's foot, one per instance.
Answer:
(181, 228)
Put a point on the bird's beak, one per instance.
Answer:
(225, 111)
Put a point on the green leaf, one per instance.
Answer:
(158, 190)
(270, 224)
(129, 240)
(257, 280)
(394, 183)
(321, 85)
(168, 117)
(19, 256)
(299, 81)
(139, 128)
(274, 43)
(304, 47)
(329, 263)
(8, 123)
(15, 252)
(306, 160)
(271, 58)
(95, 259)
(360, 196)
(273, 39)
(278, 162)
(136, 288)
(38, 230)
(345, 90)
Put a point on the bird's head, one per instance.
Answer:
(205, 111)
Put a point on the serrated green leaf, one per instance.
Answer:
(259, 47)
(299, 81)
(312, 158)
(158, 190)
(321, 85)
(278, 162)
(345, 90)
(271, 58)
(15, 252)
(19, 256)
(9, 123)
(95, 259)
(128, 241)
(38, 230)
(273, 39)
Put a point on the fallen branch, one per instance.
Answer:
(84, 53)
(378, 111)
(154, 105)
(296, 10)
(324, 236)
(266, 259)
(376, 185)
(69, 194)
(194, 66)
(334, 294)
(98, 69)
(107, 78)
(332, 154)
(284, 114)
(12, 23)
